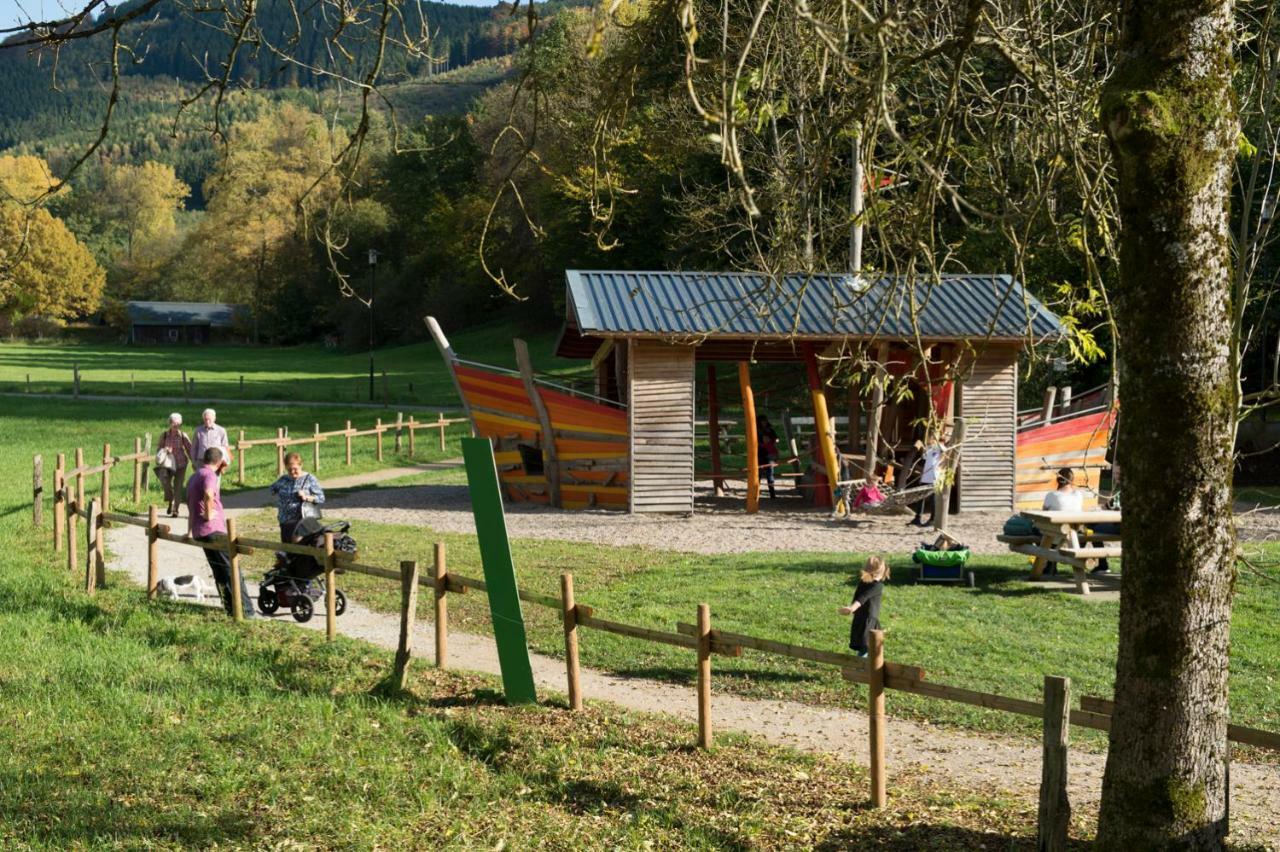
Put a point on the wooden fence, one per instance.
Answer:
(700, 638)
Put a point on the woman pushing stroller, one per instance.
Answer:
(298, 494)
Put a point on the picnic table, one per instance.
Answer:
(1064, 537)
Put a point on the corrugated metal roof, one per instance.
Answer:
(731, 304)
(211, 314)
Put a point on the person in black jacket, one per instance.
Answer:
(865, 607)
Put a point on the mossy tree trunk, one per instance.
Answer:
(1171, 118)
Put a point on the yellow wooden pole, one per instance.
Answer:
(821, 420)
(753, 449)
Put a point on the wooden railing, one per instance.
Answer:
(700, 637)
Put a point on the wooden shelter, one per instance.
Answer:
(645, 332)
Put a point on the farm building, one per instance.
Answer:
(631, 444)
(185, 322)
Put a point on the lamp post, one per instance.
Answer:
(373, 281)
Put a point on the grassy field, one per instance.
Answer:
(1001, 637)
(415, 374)
(163, 727)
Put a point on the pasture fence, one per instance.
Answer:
(701, 638)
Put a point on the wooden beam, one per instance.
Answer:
(450, 361)
(601, 353)
(551, 458)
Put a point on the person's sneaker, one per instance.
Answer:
(1100, 570)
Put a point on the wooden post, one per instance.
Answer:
(59, 500)
(80, 478)
(91, 547)
(73, 531)
(75, 380)
(28, 383)
(875, 411)
(106, 477)
(132, 389)
(279, 452)
(749, 428)
(704, 674)
(569, 613)
(186, 389)
(378, 435)
(1046, 411)
(713, 427)
(237, 605)
(399, 429)
(240, 451)
(821, 421)
(137, 470)
(408, 609)
(942, 499)
(411, 424)
(153, 552)
(440, 419)
(330, 588)
(550, 454)
(315, 450)
(442, 608)
(348, 437)
(1055, 805)
(242, 386)
(875, 716)
(37, 489)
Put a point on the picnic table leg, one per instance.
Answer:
(1037, 567)
(1082, 575)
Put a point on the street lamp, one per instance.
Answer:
(373, 267)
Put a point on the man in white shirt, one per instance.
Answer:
(210, 434)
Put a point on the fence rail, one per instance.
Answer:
(874, 671)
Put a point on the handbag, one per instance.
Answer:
(164, 459)
(310, 511)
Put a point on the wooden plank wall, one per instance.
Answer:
(989, 403)
(660, 385)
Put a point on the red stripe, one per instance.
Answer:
(1064, 428)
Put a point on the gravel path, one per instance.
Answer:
(968, 761)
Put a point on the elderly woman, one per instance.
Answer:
(292, 490)
(171, 463)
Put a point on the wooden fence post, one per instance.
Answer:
(408, 609)
(240, 451)
(875, 717)
(442, 608)
(1055, 804)
(279, 452)
(348, 436)
(237, 604)
(37, 489)
(132, 389)
(91, 547)
(186, 390)
(330, 588)
(569, 613)
(79, 478)
(399, 429)
(75, 380)
(100, 549)
(73, 531)
(242, 386)
(440, 418)
(411, 425)
(379, 436)
(137, 470)
(153, 552)
(59, 500)
(704, 675)
(106, 477)
(315, 450)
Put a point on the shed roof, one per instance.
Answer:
(212, 314)
(735, 305)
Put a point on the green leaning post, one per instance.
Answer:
(499, 571)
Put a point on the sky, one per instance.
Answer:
(19, 11)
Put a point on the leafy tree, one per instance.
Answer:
(47, 271)
(141, 200)
(24, 179)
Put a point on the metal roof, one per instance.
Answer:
(212, 314)
(748, 305)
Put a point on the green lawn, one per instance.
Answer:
(415, 374)
(1002, 637)
(128, 725)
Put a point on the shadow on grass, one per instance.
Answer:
(913, 838)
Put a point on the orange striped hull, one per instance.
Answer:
(1078, 442)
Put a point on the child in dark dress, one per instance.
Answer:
(865, 607)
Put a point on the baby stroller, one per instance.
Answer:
(295, 580)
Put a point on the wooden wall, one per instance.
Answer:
(660, 388)
(989, 404)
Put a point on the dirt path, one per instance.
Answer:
(968, 761)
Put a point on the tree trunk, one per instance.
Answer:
(1170, 115)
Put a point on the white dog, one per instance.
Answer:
(169, 586)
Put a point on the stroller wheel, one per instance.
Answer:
(339, 602)
(267, 600)
(302, 608)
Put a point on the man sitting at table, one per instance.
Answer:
(1067, 498)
